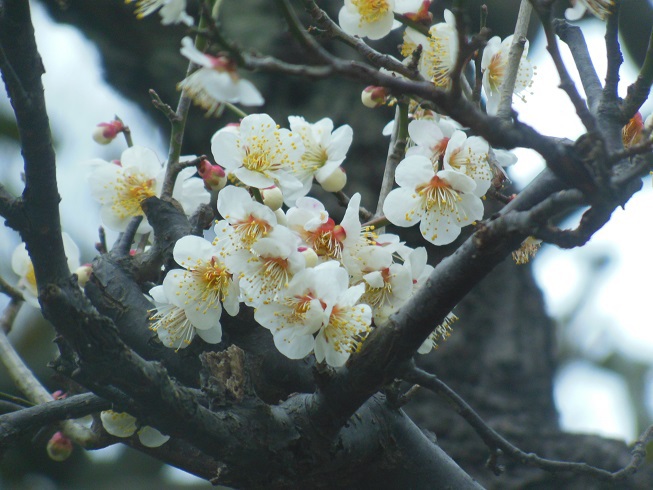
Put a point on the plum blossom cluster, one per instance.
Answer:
(442, 179)
(318, 284)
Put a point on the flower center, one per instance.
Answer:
(132, 189)
(257, 159)
(438, 193)
(327, 240)
(216, 281)
(497, 70)
(251, 229)
(371, 10)
(376, 297)
(341, 331)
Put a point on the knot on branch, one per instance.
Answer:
(224, 376)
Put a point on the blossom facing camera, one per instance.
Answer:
(441, 202)
(106, 132)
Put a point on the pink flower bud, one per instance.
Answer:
(59, 447)
(59, 395)
(373, 97)
(105, 133)
(213, 176)
(422, 14)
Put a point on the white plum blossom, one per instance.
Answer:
(121, 187)
(494, 65)
(312, 223)
(172, 11)
(469, 155)
(302, 309)
(373, 18)
(268, 266)
(439, 50)
(22, 266)
(388, 285)
(430, 138)
(121, 424)
(216, 81)
(245, 220)
(206, 285)
(325, 149)
(348, 324)
(170, 320)
(441, 333)
(598, 8)
(367, 18)
(442, 202)
(261, 155)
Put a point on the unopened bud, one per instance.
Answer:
(105, 133)
(335, 182)
(213, 176)
(422, 14)
(310, 257)
(83, 274)
(272, 197)
(631, 133)
(373, 96)
(59, 395)
(59, 447)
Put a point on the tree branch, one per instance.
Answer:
(573, 37)
(496, 443)
(13, 424)
(514, 58)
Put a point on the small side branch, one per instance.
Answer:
(395, 153)
(638, 91)
(514, 58)
(15, 423)
(566, 83)
(573, 37)
(498, 444)
(614, 57)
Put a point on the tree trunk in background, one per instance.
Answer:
(501, 356)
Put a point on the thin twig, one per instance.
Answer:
(613, 56)
(9, 290)
(638, 91)
(514, 59)
(495, 442)
(396, 153)
(566, 83)
(27, 383)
